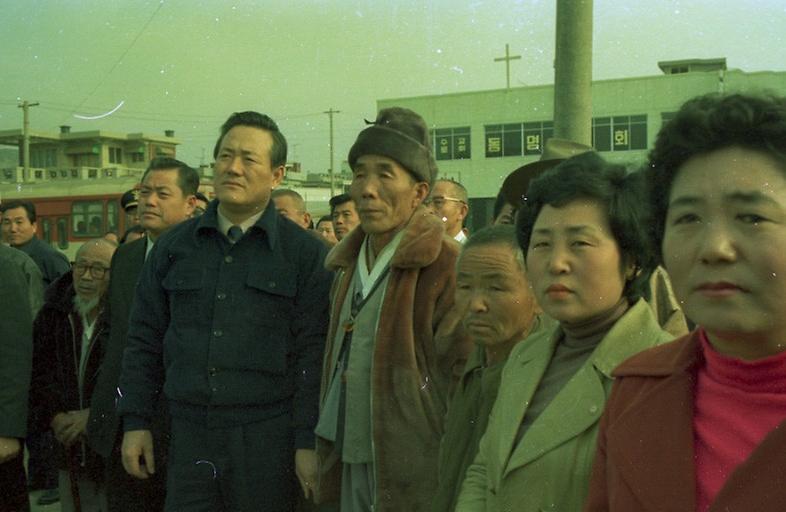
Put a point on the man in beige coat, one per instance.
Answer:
(386, 375)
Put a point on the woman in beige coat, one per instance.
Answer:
(588, 260)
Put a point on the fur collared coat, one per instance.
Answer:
(413, 364)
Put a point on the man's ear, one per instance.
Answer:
(278, 175)
(421, 192)
(190, 205)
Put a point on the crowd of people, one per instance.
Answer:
(613, 341)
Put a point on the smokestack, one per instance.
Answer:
(169, 133)
(65, 129)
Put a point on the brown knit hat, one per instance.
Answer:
(402, 135)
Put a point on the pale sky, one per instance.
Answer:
(187, 64)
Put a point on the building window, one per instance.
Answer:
(43, 157)
(517, 139)
(536, 135)
(451, 143)
(115, 155)
(87, 218)
(619, 133)
(137, 157)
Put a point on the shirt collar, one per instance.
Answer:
(265, 221)
(369, 277)
(148, 246)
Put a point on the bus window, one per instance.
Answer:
(46, 229)
(112, 216)
(62, 233)
(87, 218)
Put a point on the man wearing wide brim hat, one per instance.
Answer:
(555, 151)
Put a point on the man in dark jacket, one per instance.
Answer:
(19, 230)
(166, 198)
(15, 357)
(229, 318)
(65, 366)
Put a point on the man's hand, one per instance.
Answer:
(60, 424)
(70, 426)
(9, 448)
(137, 452)
(306, 470)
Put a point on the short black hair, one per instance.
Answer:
(501, 234)
(588, 176)
(187, 177)
(201, 197)
(338, 200)
(709, 123)
(460, 190)
(300, 204)
(325, 218)
(17, 203)
(278, 151)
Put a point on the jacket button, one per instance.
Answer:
(221, 296)
(271, 284)
(228, 259)
(593, 409)
(218, 333)
(212, 372)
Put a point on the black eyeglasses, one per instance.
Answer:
(96, 271)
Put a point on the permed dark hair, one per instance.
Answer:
(706, 124)
(187, 177)
(590, 177)
(278, 151)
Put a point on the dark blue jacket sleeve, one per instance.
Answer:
(310, 329)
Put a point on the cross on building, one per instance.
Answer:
(507, 58)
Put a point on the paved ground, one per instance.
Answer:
(55, 507)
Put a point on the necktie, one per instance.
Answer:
(234, 234)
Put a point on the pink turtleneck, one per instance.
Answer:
(737, 403)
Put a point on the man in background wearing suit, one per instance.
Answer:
(166, 197)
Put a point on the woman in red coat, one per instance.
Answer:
(700, 424)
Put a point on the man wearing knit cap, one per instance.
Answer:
(386, 375)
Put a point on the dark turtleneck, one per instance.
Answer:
(576, 344)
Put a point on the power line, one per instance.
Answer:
(119, 60)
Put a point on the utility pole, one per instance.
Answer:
(330, 116)
(507, 58)
(25, 106)
(573, 71)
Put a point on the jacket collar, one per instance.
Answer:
(60, 294)
(419, 247)
(207, 224)
(578, 406)
(640, 330)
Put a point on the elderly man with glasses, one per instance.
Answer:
(449, 202)
(66, 359)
